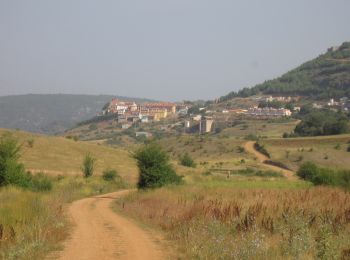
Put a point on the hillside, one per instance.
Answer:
(327, 76)
(58, 155)
(51, 113)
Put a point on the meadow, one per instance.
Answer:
(232, 222)
(58, 155)
(326, 151)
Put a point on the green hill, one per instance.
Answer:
(51, 113)
(327, 76)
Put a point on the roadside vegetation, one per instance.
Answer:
(218, 222)
(32, 217)
(154, 166)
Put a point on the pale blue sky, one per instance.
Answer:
(161, 49)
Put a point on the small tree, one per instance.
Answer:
(88, 165)
(11, 172)
(154, 167)
(186, 160)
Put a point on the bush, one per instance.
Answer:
(259, 147)
(154, 168)
(11, 172)
(109, 175)
(88, 165)
(187, 161)
(40, 182)
(324, 176)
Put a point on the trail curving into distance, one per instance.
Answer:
(249, 147)
(100, 233)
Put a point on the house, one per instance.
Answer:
(169, 107)
(197, 117)
(145, 134)
(120, 107)
(269, 112)
(126, 126)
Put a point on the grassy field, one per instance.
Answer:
(59, 155)
(263, 128)
(327, 151)
(232, 222)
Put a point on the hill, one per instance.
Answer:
(327, 76)
(58, 155)
(52, 113)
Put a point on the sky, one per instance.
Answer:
(161, 49)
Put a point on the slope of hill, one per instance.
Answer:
(51, 113)
(58, 155)
(324, 77)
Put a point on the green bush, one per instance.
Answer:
(40, 182)
(155, 169)
(186, 160)
(324, 176)
(88, 165)
(109, 175)
(11, 171)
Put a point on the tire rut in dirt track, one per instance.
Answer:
(101, 233)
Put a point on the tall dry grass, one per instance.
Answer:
(32, 223)
(224, 223)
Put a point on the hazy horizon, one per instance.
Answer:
(160, 49)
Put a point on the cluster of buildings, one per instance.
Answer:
(268, 112)
(131, 112)
(281, 99)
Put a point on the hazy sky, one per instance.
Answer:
(162, 49)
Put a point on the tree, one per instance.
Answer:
(88, 165)
(155, 169)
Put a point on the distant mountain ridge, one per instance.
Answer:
(51, 113)
(326, 76)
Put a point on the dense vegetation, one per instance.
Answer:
(186, 160)
(324, 176)
(322, 122)
(324, 77)
(154, 167)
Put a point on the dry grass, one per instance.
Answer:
(58, 155)
(226, 223)
(33, 224)
(326, 151)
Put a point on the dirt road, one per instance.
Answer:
(249, 147)
(100, 233)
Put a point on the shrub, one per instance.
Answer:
(259, 147)
(186, 160)
(155, 169)
(11, 172)
(40, 182)
(109, 175)
(324, 176)
(30, 143)
(88, 165)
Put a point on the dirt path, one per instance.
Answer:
(101, 233)
(249, 147)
